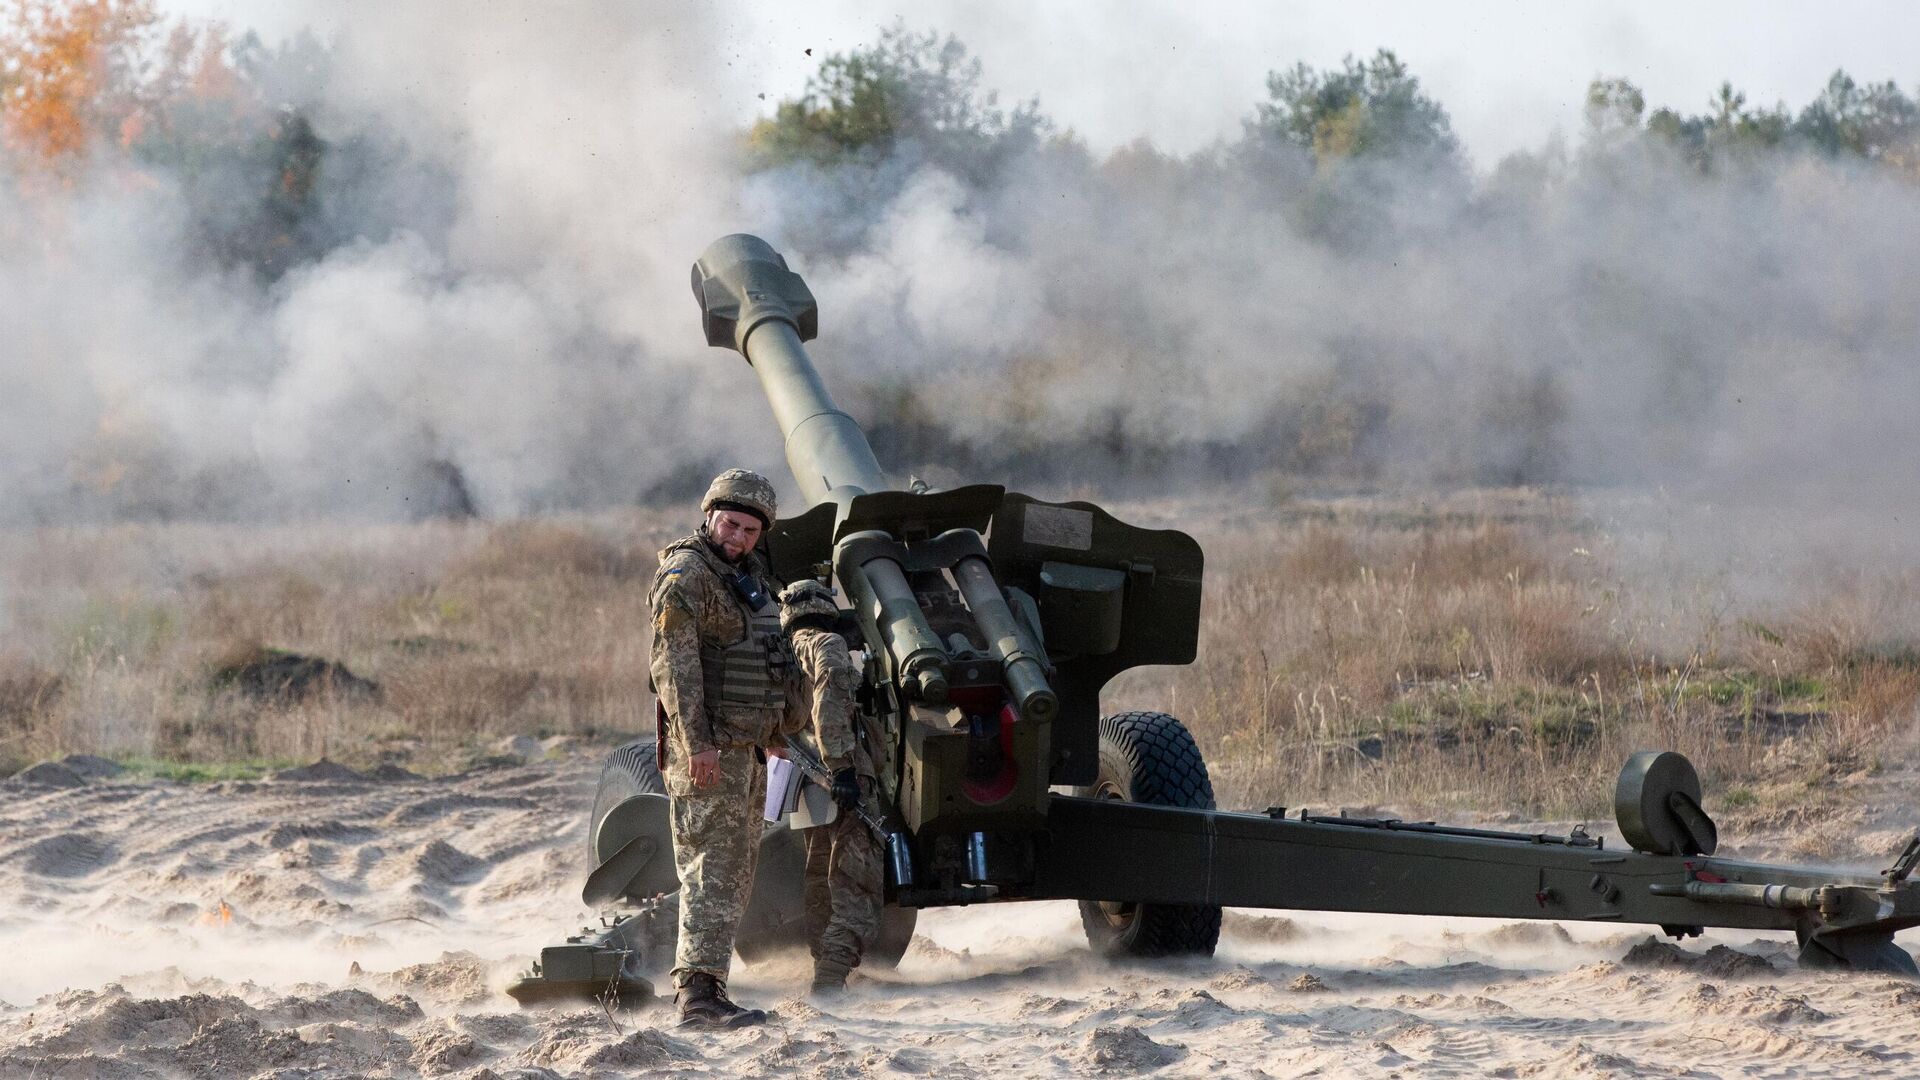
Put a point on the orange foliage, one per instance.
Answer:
(70, 73)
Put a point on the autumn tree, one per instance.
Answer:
(72, 75)
(103, 89)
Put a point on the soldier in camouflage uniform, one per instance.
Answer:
(719, 666)
(845, 875)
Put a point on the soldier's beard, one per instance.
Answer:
(720, 549)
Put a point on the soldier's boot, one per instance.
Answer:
(829, 977)
(704, 1003)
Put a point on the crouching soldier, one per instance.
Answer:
(845, 876)
(719, 666)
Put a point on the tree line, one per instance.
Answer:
(92, 88)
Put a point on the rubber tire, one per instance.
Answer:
(1149, 757)
(632, 769)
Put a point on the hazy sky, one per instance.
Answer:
(1184, 74)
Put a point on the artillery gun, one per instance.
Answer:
(989, 621)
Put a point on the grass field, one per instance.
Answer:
(1502, 650)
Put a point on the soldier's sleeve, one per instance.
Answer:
(675, 661)
(797, 714)
(831, 684)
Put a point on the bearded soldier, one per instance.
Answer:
(845, 875)
(720, 669)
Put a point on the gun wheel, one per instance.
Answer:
(1149, 757)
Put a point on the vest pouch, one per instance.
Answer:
(752, 672)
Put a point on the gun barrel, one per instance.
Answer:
(918, 655)
(750, 302)
(1023, 669)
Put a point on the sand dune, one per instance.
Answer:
(341, 927)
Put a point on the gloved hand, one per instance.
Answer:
(846, 789)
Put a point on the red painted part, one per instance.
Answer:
(1003, 782)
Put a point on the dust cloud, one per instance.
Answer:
(354, 926)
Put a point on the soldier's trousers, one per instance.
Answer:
(716, 839)
(846, 888)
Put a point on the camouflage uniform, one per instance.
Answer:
(845, 876)
(713, 667)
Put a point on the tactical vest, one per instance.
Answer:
(753, 671)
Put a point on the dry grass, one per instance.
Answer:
(471, 631)
(1493, 649)
(1506, 650)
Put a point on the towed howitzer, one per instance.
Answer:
(989, 621)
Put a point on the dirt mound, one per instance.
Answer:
(87, 1021)
(67, 855)
(1720, 961)
(1259, 929)
(1580, 1059)
(234, 1046)
(644, 1049)
(93, 767)
(443, 1049)
(459, 977)
(1764, 1004)
(1527, 935)
(279, 675)
(289, 833)
(1117, 1051)
(440, 863)
(50, 774)
(1239, 979)
(347, 1004)
(319, 770)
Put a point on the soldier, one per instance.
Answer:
(845, 878)
(720, 668)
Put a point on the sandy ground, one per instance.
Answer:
(368, 926)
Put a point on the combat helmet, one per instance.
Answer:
(806, 602)
(743, 490)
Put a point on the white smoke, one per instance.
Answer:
(532, 331)
(1595, 316)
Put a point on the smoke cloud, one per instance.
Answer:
(503, 325)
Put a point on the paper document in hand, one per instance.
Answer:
(783, 787)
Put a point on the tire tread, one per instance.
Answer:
(1167, 769)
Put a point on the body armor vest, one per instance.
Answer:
(753, 671)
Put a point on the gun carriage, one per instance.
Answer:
(990, 621)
